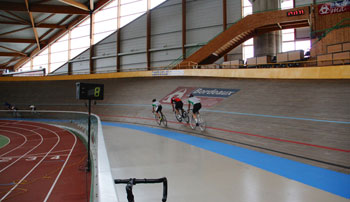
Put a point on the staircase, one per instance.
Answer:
(248, 27)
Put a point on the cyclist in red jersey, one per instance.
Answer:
(177, 104)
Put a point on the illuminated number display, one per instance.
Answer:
(295, 13)
(89, 91)
(97, 91)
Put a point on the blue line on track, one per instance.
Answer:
(327, 180)
(9, 184)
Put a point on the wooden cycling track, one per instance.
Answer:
(303, 120)
(41, 163)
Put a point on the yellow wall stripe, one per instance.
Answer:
(329, 72)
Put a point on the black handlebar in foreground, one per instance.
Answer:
(133, 181)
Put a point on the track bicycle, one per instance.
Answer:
(161, 120)
(200, 121)
(182, 116)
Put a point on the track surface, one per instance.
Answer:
(41, 163)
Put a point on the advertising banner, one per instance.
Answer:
(334, 7)
(208, 96)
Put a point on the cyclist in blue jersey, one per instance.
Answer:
(157, 107)
(196, 103)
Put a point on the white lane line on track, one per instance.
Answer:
(64, 165)
(41, 140)
(25, 140)
(20, 181)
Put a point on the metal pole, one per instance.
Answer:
(89, 130)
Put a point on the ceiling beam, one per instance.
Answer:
(16, 16)
(13, 31)
(13, 50)
(33, 25)
(15, 20)
(92, 5)
(75, 4)
(44, 20)
(42, 8)
(12, 54)
(18, 40)
(42, 25)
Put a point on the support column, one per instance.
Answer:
(268, 43)
(118, 36)
(91, 61)
(31, 63)
(49, 59)
(70, 69)
(184, 40)
(224, 20)
(148, 35)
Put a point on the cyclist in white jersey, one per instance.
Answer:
(156, 107)
(196, 106)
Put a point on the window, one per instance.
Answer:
(80, 38)
(105, 24)
(41, 61)
(59, 53)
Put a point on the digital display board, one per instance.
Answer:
(89, 91)
(295, 13)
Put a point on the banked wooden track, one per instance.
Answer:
(248, 27)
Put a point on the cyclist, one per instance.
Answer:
(177, 104)
(32, 108)
(157, 107)
(196, 106)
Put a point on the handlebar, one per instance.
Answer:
(133, 181)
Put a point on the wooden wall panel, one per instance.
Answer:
(336, 36)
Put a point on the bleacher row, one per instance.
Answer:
(336, 54)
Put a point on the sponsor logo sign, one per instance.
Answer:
(214, 92)
(168, 73)
(208, 96)
(334, 7)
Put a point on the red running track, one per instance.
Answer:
(42, 163)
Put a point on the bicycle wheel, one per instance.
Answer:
(178, 117)
(201, 122)
(164, 121)
(157, 119)
(185, 116)
(192, 123)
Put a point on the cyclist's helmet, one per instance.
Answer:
(153, 100)
(191, 95)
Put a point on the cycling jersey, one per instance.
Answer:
(176, 99)
(155, 104)
(193, 100)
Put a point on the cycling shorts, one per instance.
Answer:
(179, 105)
(196, 107)
(159, 108)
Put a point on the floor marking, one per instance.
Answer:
(41, 140)
(20, 181)
(25, 140)
(64, 165)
